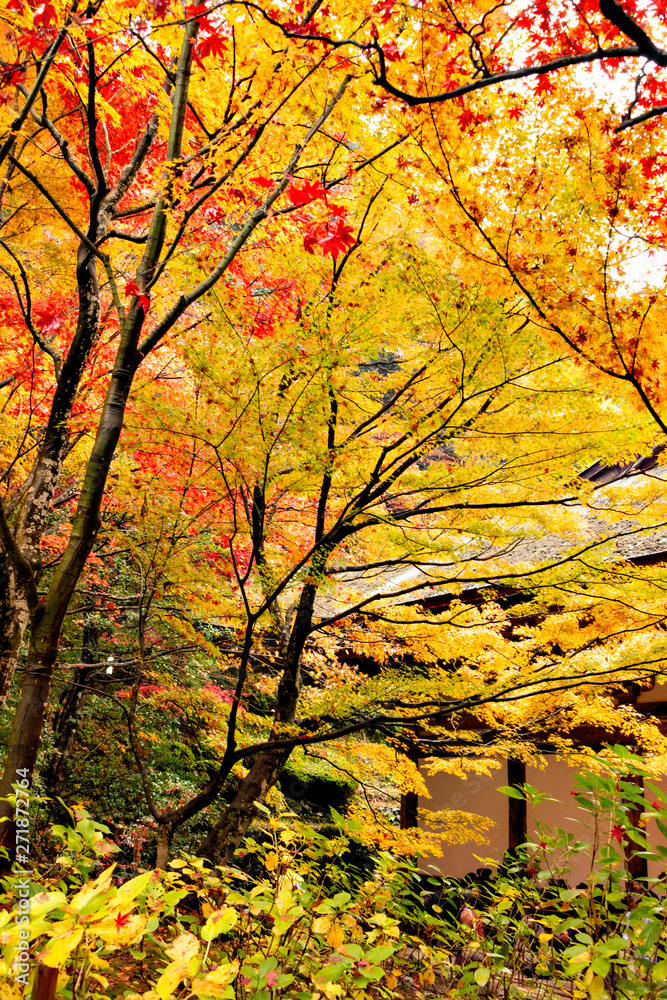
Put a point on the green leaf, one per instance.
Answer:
(175, 896)
(220, 922)
(482, 976)
(659, 972)
(511, 792)
(653, 933)
(380, 953)
(600, 966)
(330, 973)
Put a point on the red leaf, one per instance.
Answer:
(307, 193)
(391, 52)
(133, 289)
(44, 15)
(340, 237)
(271, 978)
(211, 45)
(385, 8)
(264, 182)
(545, 85)
(311, 240)
(122, 920)
(30, 40)
(12, 72)
(198, 12)
(160, 8)
(49, 321)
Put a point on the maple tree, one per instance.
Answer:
(318, 529)
(240, 203)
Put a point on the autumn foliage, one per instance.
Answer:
(311, 320)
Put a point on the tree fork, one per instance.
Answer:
(48, 617)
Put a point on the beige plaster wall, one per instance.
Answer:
(557, 780)
(656, 693)
(656, 868)
(476, 794)
(480, 795)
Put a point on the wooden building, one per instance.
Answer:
(515, 819)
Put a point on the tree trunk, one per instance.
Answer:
(14, 618)
(232, 826)
(49, 615)
(24, 739)
(68, 719)
(165, 835)
(230, 829)
(45, 475)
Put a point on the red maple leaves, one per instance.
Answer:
(48, 320)
(210, 45)
(309, 191)
(132, 289)
(160, 8)
(122, 920)
(44, 15)
(334, 236)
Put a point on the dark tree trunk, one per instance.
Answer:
(232, 826)
(14, 618)
(48, 617)
(68, 718)
(518, 815)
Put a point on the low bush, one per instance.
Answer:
(302, 923)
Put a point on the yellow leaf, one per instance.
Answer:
(121, 929)
(100, 884)
(97, 962)
(284, 898)
(128, 892)
(185, 947)
(59, 947)
(185, 953)
(332, 990)
(390, 981)
(335, 937)
(596, 987)
(220, 922)
(169, 980)
(321, 925)
(213, 984)
(10, 992)
(271, 861)
(43, 902)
